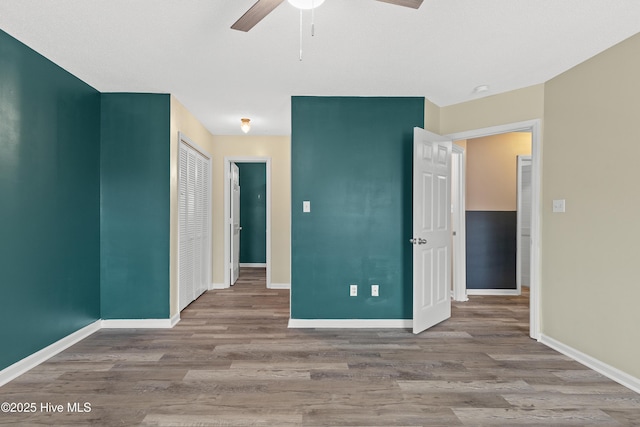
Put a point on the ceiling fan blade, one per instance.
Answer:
(414, 4)
(255, 14)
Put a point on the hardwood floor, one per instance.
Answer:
(232, 361)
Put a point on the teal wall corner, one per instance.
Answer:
(135, 206)
(49, 209)
(352, 159)
(253, 212)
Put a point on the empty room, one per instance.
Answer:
(277, 213)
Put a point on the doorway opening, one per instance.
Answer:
(459, 256)
(256, 257)
(491, 215)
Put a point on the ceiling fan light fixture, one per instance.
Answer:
(305, 4)
(245, 124)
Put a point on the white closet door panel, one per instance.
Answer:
(191, 214)
(198, 232)
(193, 224)
(205, 218)
(183, 260)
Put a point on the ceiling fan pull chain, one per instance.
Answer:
(313, 8)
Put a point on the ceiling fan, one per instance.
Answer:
(264, 7)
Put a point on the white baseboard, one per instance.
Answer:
(253, 264)
(608, 371)
(351, 323)
(13, 371)
(493, 292)
(279, 286)
(218, 286)
(175, 319)
(139, 323)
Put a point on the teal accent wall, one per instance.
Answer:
(135, 206)
(253, 212)
(49, 202)
(352, 159)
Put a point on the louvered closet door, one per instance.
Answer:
(191, 225)
(204, 244)
(193, 214)
(197, 228)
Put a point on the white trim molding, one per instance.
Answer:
(280, 286)
(20, 367)
(253, 264)
(493, 292)
(140, 323)
(351, 323)
(458, 221)
(175, 319)
(218, 286)
(608, 371)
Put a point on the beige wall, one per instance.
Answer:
(492, 170)
(510, 107)
(181, 121)
(431, 116)
(278, 148)
(590, 285)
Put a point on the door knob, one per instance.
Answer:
(418, 241)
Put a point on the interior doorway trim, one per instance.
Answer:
(534, 127)
(227, 212)
(522, 207)
(459, 270)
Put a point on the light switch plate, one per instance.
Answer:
(559, 205)
(306, 206)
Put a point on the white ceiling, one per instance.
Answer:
(441, 51)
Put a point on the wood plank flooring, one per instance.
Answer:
(232, 361)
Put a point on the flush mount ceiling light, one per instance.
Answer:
(481, 88)
(305, 4)
(245, 124)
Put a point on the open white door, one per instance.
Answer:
(431, 229)
(234, 222)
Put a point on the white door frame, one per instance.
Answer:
(458, 209)
(534, 127)
(234, 222)
(227, 212)
(521, 159)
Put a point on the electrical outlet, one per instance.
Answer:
(559, 205)
(353, 290)
(375, 290)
